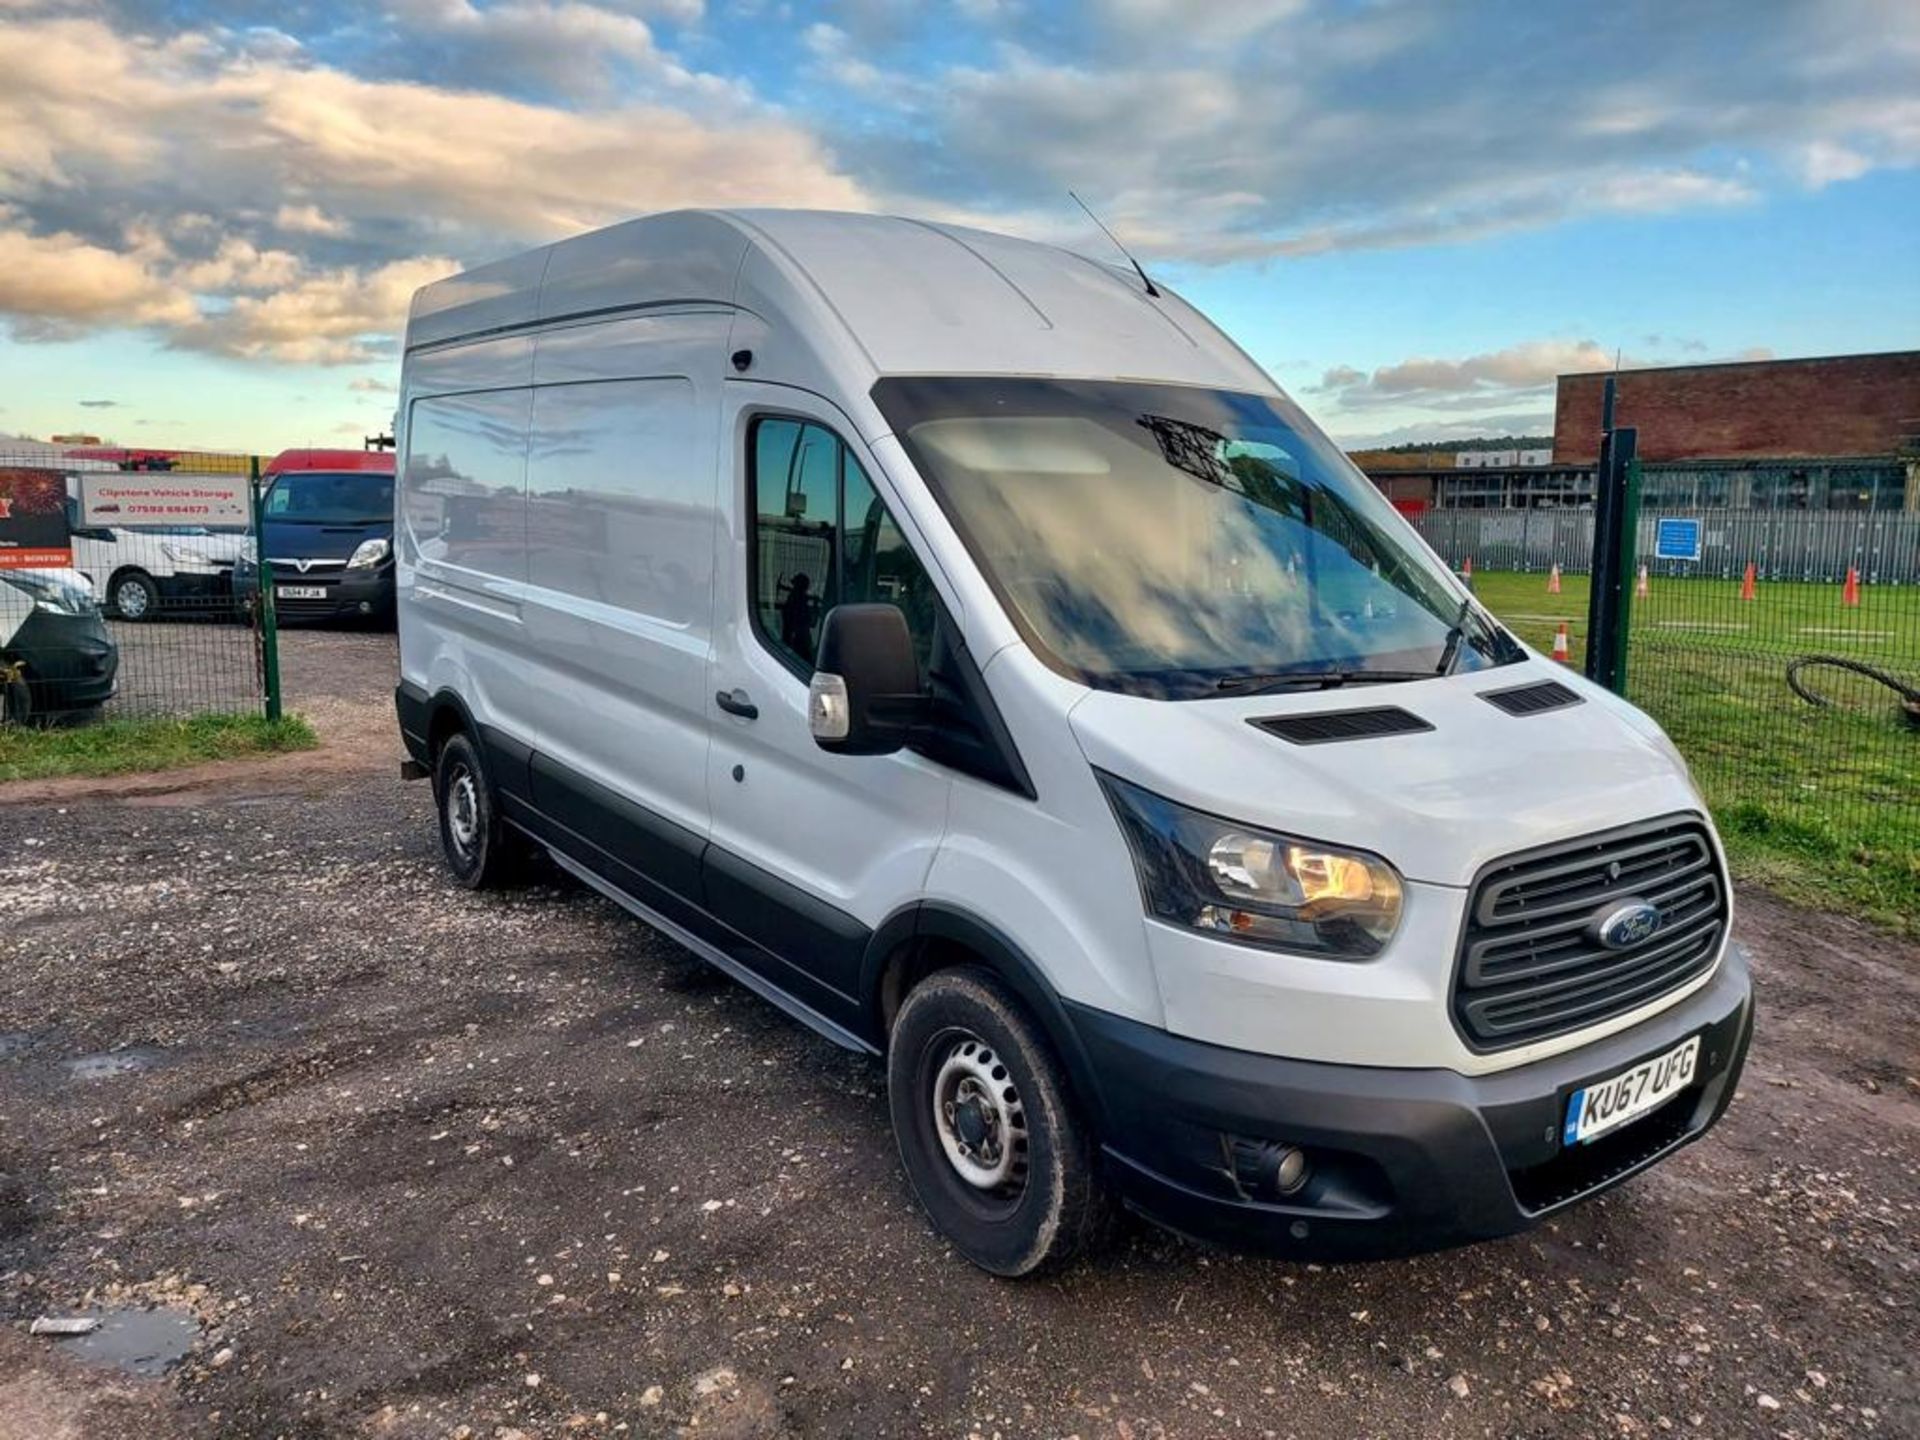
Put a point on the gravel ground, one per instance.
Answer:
(424, 1163)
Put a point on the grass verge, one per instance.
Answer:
(1821, 806)
(119, 747)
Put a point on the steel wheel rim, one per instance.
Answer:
(463, 810)
(130, 599)
(979, 1118)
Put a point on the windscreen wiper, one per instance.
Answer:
(1315, 680)
(1457, 632)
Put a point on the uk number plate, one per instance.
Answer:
(299, 592)
(1601, 1108)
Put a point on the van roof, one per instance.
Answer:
(378, 461)
(912, 296)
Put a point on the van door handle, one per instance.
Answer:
(735, 702)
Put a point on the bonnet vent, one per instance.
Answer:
(1532, 699)
(1328, 726)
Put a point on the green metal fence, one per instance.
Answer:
(1792, 689)
(131, 609)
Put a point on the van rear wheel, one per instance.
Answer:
(991, 1141)
(480, 850)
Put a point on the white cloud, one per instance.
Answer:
(1822, 163)
(308, 220)
(1528, 365)
(1497, 392)
(571, 45)
(143, 142)
(1338, 127)
(59, 285)
(834, 52)
(333, 317)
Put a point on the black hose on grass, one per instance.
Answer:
(1909, 697)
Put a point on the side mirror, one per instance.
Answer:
(865, 698)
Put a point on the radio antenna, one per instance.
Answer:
(1116, 244)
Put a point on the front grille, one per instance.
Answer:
(1324, 727)
(1531, 965)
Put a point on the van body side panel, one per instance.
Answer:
(1052, 872)
(460, 524)
(619, 595)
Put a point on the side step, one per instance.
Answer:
(716, 957)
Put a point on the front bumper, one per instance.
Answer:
(1402, 1161)
(195, 590)
(346, 594)
(70, 661)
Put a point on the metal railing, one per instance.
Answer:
(118, 596)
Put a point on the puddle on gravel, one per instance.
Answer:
(147, 1343)
(110, 1063)
(16, 1042)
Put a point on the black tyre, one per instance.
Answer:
(480, 849)
(132, 595)
(991, 1141)
(16, 696)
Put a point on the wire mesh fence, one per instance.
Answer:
(117, 594)
(1784, 662)
(1796, 701)
(1884, 546)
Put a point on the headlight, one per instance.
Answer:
(58, 597)
(1244, 883)
(184, 557)
(368, 553)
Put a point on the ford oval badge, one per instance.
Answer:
(1627, 924)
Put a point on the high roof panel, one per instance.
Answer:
(911, 297)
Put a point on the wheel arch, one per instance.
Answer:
(928, 936)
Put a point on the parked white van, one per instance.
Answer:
(963, 644)
(148, 571)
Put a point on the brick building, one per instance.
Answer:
(1833, 406)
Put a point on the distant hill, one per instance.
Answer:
(1438, 454)
(1454, 447)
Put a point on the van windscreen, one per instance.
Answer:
(321, 497)
(1181, 542)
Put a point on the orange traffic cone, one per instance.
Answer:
(1553, 581)
(1746, 583)
(1641, 589)
(1850, 592)
(1562, 648)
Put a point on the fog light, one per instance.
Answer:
(366, 607)
(1266, 1169)
(1290, 1169)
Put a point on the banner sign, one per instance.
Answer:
(134, 497)
(1676, 539)
(33, 520)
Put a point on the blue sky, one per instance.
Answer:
(1415, 212)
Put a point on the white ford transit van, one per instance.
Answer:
(964, 645)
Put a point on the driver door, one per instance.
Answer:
(810, 851)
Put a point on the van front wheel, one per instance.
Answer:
(479, 851)
(991, 1142)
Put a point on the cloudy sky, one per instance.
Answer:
(1415, 212)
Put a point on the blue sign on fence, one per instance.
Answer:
(1675, 539)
